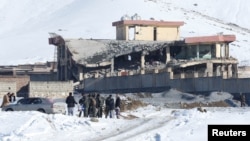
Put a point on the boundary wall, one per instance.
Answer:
(50, 89)
(157, 82)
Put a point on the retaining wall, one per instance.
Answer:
(50, 89)
(15, 84)
(161, 81)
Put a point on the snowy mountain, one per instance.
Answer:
(26, 24)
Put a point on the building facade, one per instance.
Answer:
(142, 47)
(149, 30)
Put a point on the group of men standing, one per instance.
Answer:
(94, 105)
(91, 105)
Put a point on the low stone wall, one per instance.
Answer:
(23, 87)
(15, 84)
(50, 89)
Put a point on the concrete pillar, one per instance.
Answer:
(156, 71)
(126, 32)
(229, 71)
(196, 75)
(168, 59)
(142, 61)
(224, 75)
(80, 76)
(119, 74)
(218, 71)
(182, 75)
(229, 67)
(235, 70)
(169, 69)
(80, 72)
(209, 74)
(227, 50)
(107, 74)
(217, 51)
(96, 75)
(197, 51)
(229, 74)
(171, 75)
(130, 73)
(112, 66)
(65, 62)
(209, 69)
(142, 71)
(223, 68)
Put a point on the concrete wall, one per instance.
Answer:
(156, 81)
(18, 84)
(167, 33)
(147, 33)
(121, 33)
(56, 89)
(51, 89)
(161, 82)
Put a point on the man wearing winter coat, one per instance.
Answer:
(70, 101)
(107, 105)
(117, 106)
(92, 106)
(99, 105)
(87, 103)
(5, 101)
(111, 107)
(242, 100)
(82, 106)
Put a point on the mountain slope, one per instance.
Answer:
(25, 24)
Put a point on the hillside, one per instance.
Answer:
(26, 24)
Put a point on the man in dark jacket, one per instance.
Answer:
(107, 101)
(117, 106)
(82, 106)
(111, 107)
(12, 97)
(70, 101)
(242, 100)
(99, 105)
(92, 106)
(87, 103)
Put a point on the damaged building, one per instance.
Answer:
(144, 47)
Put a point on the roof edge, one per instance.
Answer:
(149, 23)
(210, 39)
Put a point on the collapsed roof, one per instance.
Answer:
(99, 52)
(95, 52)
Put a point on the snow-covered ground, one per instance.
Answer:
(26, 24)
(151, 123)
